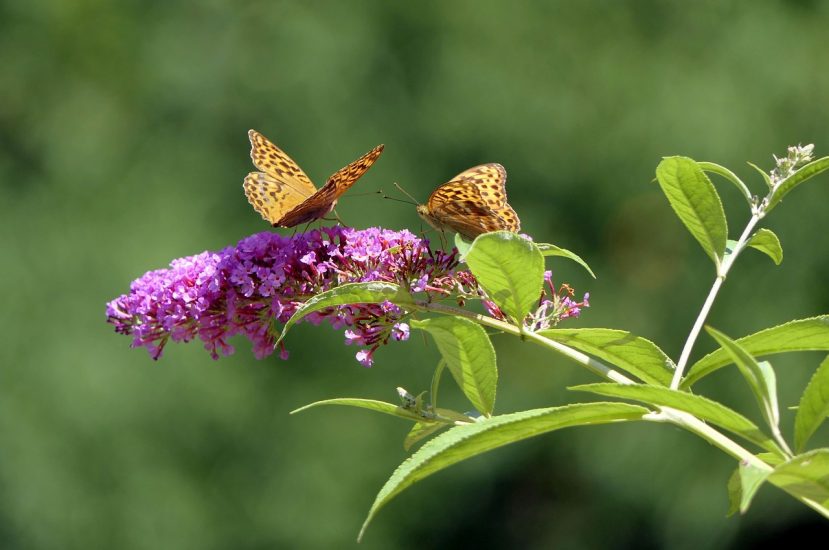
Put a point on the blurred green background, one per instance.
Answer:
(123, 145)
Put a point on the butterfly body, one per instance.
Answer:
(472, 203)
(284, 195)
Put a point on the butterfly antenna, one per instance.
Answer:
(405, 192)
(383, 195)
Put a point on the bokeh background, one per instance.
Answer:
(123, 145)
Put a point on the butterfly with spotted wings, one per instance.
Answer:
(284, 195)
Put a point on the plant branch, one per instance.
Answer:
(725, 266)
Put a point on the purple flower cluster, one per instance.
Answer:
(264, 278)
(555, 306)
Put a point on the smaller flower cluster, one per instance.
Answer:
(266, 277)
(555, 306)
(796, 156)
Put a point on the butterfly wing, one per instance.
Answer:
(323, 201)
(280, 186)
(473, 202)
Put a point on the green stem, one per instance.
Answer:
(709, 301)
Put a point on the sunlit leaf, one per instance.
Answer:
(743, 485)
(469, 355)
(806, 475)
(350, 293)
(767, 242)
(759, 375)
(814, 406)
(548, 249)
(762, 172)
(696, 202)
(421, 431)
(370, 404)
(729, 175)
(463, 246)
(699, 406)
(463, 442)
(799, 335)
(510, 268)
(633, 354)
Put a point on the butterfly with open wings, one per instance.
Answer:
(284, 195)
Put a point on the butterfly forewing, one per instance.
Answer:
(323, 201)
(276, 163)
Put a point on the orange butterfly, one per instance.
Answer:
(284, 195)
(473, 202)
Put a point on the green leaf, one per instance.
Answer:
(370, 404)
(548, 249)
(463, 442)
(767, 242)
(696, 202)
(743, 485)
(800, 335)
(806, 172)
(420, 431)
(760, 377)
(462, 245)
(762, 172)
(729, 175)
(806, 476)
(350, 293)
(629, 352)
(814, 406)
(699, 406)
(510, 269)
(770, 458)
(469, 355)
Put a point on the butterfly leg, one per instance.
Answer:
(339, 220)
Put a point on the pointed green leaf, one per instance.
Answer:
(814, 406)
(762, 172)
(510, 268)
(760, 377)
(735, 492)
(696, 202)
(770, 458)
(767, 242)
(808, 171)
(806, 476)
(548, 249)
(469, 355)
(370, 404)
(420, 431)
(638, 356)
(462, 245)
(374, 292)
(699, 406)
(743, 485)
(729, 175)
(800, 335)
(463, 442)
